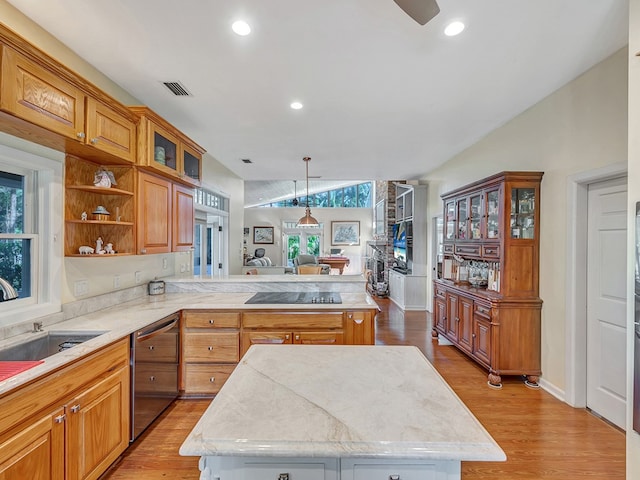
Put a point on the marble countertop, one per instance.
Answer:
(118, 321)
(339, 401)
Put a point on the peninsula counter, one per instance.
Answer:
(337, 412)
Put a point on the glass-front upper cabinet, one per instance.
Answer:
(450, 221)
(475, 217)
(492, 227)
(463, 219)
(165, 150)
(523, 205)
(191, 164)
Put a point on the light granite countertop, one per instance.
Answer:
(339, 401)
(119, 321)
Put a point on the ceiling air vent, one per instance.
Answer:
(177, 89)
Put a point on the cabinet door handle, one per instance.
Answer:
(286, 337)
(473, 335)
(150, 347)
(152, 378)
(75, 408)
(212, 379)
(59, 418)
(211, 321)
(297, 337)
(94, 141)
(210, 348)
(80, 135)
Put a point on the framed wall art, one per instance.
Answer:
(345, 233)
(263, 235)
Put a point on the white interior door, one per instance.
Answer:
(606, 299)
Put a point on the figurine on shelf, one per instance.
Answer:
(109, 248)
(86, 250)
(104, 178)
(99, 244)
(83, 217)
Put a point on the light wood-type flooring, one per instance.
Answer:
(543, 437)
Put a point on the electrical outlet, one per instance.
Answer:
(116, 281)
(165, 264)
(182, 268)
(81, 288)
(138, 277)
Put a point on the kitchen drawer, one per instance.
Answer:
(491, 251)
(264, 468)
(397, 469)
(468, 250)
(156, 378)
(482, 310)
(441, 292)
(206, 379)
(193, 319)
(211, 347)
(292, 320)
(161, 348)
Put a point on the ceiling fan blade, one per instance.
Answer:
(420, 10)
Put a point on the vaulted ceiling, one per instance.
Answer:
(383, 97)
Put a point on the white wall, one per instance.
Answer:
(266, 217)
(580, 127)
(633, 438)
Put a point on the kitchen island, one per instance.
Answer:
(337, 412)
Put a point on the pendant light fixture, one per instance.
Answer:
(307, 220)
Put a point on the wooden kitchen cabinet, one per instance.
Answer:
(35, 449)
(210, 350)
(493, 225)
(166, 215)
(39, 93)
(165, 150)
(71, 424)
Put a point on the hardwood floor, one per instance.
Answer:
(543, 437)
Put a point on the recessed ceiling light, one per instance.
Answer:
(453, 29)
(241, 28)
(296, 105)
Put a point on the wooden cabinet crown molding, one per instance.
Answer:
(11, 39)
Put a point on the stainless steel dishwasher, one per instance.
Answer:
(154, 371)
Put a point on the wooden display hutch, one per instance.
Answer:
(82, 196)
(491, 238)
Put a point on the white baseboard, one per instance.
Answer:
(553, 390)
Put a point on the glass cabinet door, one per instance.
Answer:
(191, 165)
(492, 227)
(165, 151)
(450, 221)
(522, 213)
(475, 217)
(463, 219)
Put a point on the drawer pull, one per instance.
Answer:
(297, 337)
(394, 477)
(210, 349)
(286, 337)
(152, 378)
(75, 408)
(150, 347)
(283, 476)
(211, 321)
(212, 379)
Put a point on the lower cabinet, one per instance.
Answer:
(409, 292)
(70, 425)
(501, 334)
(252, 468)
(210, 350)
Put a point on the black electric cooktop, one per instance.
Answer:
(296, 297)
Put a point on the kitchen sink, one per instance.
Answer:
(45, 346)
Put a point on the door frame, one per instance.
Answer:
(576, 280)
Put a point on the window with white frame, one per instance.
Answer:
(30, 233)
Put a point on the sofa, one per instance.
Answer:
(263, 265)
